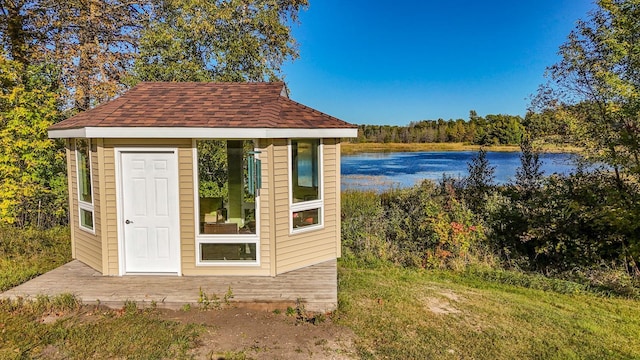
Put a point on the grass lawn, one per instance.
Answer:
(59, 328)
(399, 313)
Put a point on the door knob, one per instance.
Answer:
(128, 222)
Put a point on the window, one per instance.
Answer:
(228, 252)
(306, 195)
(85, 193)
(227, 174)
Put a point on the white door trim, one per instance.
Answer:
(118, 151)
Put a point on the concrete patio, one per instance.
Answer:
(315, 286)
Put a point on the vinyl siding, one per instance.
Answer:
(103, 215)
(111, 229)
(295, 251)
(72, 205)
(87, 247)
(268, 228)
(338, 215)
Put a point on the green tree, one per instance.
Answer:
(212, 168)
(32, 170)
(594, 92)
(595, 87)
(528, 175)
(230, 40)
(503, 129)
(546, 126)
(479, 183)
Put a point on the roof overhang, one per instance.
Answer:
(201, 133)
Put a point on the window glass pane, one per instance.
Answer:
(86, 219)
(228, 252)
(84, 170)
(304, 172)
(306, 218)
(225, 204)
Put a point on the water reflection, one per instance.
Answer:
(378, 171)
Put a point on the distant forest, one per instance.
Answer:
(489, 130)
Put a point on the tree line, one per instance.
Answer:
(488, 130)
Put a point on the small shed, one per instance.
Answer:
(191, 179)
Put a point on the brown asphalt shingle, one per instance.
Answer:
(215, 105)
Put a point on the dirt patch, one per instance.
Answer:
(450, 295)
(242, 333)
(444, 303)
(51, 352)
(50, 318)
(440, 306)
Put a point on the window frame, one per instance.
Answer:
(306, 205)
(83, 205)
(222, 238)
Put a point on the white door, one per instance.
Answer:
(150, 213)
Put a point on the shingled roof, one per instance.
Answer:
(202, 105)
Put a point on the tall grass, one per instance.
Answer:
(354, 148)
(27, 253)
(363, 229)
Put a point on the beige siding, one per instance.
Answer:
(295, 251)
(268, 208)
(87, 247)
(111, 229)
(72, 205)
(338, 214)
(267, 243)
(187, 211)
(104, 239)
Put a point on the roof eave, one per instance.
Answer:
(202, 133)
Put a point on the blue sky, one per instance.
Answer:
(393, 62)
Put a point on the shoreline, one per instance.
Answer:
(357, 148)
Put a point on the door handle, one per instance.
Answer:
(128, 222)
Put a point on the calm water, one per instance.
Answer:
(378, 171)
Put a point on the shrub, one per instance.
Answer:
(605, 280)
(422, 226)
(480, 182)
(573, 221)
(430, 227)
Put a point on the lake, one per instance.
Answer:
(378, 171)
